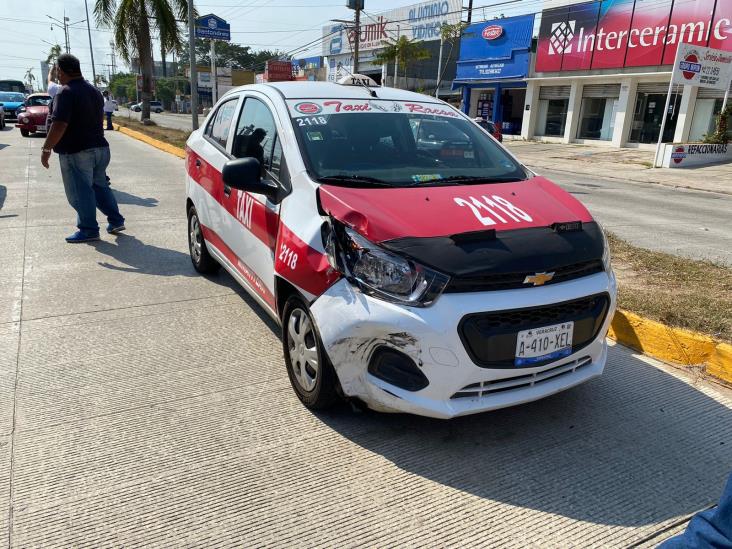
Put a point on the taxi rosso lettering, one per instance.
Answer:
(493, 209)
(421, 109)
(348, 107)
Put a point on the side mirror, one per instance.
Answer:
(245, 174)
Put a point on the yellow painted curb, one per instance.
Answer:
(645, 335)
(177, 151)
(672, 344)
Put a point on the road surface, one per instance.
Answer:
(143, 404)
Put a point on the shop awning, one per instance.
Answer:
(476, 83)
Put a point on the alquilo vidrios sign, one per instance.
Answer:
(629, 33)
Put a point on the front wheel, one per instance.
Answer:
(201, 259)
(24, 133)
(311, 374)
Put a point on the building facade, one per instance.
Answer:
(601, 72)
(492, 70)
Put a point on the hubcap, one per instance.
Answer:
(302, 345)
(195, 240)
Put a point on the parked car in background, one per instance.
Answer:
(12, 101)
(32, 118)
(155, 106)
(2, 117)
(490, 127)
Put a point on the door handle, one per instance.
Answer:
(227, 190)
(198, 162)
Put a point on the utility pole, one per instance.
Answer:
(91, 50)
(112, 56)
(396, 59)
(214, 79)
(194, 73)
(65, 25)
(359, 6)
(470, 11)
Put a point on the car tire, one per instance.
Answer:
(202, 261)
(311, 374)
(24, 133)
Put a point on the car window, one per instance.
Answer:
(399, 143)
(218, 127)
(256, 134)
(39, 101)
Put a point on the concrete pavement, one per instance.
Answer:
(630, 165)
(142, 404)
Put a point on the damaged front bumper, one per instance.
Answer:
(357, 330)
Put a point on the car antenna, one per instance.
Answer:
(360, 82)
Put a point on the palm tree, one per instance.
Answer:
(403, 51)
(133, 23)
(30, 78)
(450, 34)
(53, 54)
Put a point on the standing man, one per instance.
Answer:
(108, 110)
(76, 135)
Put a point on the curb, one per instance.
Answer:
(176, 151)
(642, 334)
(672, 344)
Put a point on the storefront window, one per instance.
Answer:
(704, 121)
(647, 117)
(597, 120)
(512, 110)
(552, 117)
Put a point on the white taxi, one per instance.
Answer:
(412, 262)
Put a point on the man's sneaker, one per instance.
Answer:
(79, 237)
(112, 229)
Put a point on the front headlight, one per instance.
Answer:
(606, 259)
(24, 120)
(382, 274)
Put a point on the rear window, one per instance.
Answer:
(397, 143)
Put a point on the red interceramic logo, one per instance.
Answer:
(492, 32)
(308, 108)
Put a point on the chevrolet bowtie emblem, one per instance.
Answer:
(538, 279)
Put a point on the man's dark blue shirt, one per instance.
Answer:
(79, 104)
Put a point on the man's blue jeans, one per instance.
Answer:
(85, 182)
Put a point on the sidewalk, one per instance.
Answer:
(626, 164)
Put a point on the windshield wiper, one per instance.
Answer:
(354, 180)
(467, 179)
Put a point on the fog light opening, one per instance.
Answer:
(398, 369)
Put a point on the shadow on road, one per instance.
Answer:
(133, 200)
(144, 258)
(634, 447)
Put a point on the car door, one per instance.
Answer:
(206, 161)
(252, 226)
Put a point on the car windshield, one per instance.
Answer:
(397, 144)
(12, 97)
(39, 101)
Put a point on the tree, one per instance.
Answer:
(29, 78)
(450, 34)
(402, 51)
(720, 135)
(101, 80)
(133, 22)
(123, 85)
(53, 54)
(231, 55)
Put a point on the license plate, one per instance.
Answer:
(545, 343)
(40, 128)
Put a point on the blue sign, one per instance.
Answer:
(495, 50)
(212, 27)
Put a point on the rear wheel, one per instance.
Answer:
(201, 259)
(311, 374)
(24, 133)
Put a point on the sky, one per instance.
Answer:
(27, 33)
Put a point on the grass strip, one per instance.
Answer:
(680, 292)
(177, 138)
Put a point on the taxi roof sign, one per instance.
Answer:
(358, 80)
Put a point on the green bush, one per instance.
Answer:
(720, 136)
